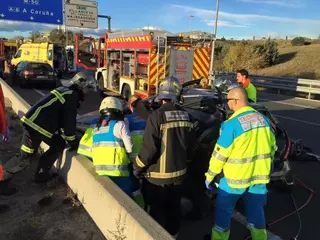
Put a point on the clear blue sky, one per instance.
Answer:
(237, 18)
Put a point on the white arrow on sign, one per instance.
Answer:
(58, 21)
(31, 18)
(2, 15)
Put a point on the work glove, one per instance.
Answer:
(209, 185)
(7, 137)
(138, 174)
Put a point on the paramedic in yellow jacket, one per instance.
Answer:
(244, 153)
(108, 142)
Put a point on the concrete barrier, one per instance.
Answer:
(109, 207)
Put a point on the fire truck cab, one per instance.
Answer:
(132, 62)
(84, 55)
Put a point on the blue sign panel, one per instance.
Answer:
(41, 11)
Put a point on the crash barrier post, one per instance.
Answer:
(301, 85)
(109, 207)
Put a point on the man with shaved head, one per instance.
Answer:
(243, 154)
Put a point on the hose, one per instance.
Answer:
(299, 218)
(296, 211)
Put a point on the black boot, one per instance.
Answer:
(42, 177)
(5, 190)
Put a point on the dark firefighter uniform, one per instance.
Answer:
(163, 162)
(47, 121)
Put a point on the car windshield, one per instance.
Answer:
(40, 66)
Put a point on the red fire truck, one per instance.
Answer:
(7, 51)
(132, 62)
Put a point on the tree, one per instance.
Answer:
(58, 36)
(34, 35)
(242, 55)
(269, 51)
(18, 38)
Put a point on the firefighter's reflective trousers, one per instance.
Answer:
(31, 141)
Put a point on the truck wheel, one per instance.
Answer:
(126, 92)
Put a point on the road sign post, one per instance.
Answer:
(37, 11)
(81, 13)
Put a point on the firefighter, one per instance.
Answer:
(108, 142)
(244, 81)
(244, 153)
(137, 126)
(5, 137)
(56, 112)
(162, 160)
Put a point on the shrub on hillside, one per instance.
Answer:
(269, 49)
(243, 55)
(298, 41)
(221, 50)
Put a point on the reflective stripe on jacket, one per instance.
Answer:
(166, 142)
(57, 110)
(107, 152)
(244, 150)
(137, 126)
(85, 145)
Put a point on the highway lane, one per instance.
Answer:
(301, 119)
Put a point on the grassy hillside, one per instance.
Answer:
(296, 61)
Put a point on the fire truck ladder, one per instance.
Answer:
(161, 54)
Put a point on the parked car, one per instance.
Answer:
(26, 73)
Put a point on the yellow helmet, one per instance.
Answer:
(110, 103)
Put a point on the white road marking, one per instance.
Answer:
(241, 219)
(291, 104)
(38, 91)
(297, 120)
(314, 155)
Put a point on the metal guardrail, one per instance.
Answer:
(308, 86)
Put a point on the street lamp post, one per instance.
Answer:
(213, 43)
(190, 23)
(190, 27)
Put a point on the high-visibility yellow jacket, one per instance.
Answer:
(107, 151)
(244, 150)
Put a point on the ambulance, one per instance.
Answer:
(46, 52)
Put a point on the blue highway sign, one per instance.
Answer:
(41, 11)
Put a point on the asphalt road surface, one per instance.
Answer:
(301, 118)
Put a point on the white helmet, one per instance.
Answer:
(110, 103)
